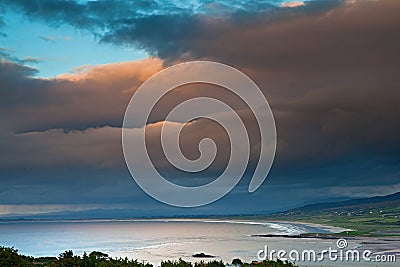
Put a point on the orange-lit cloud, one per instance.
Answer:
(115, 72)
(92, 97)
(293, 4)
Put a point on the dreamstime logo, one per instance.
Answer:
(332, 254)
(341, 243)
(147, 96)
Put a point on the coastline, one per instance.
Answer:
(325, 227)
(190, 244)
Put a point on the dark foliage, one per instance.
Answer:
(9, 257)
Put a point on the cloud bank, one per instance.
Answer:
(328, 68)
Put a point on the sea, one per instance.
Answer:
(154, 240)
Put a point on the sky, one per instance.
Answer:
(68, 69)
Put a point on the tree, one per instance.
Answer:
(237, 262)
(10, 257)
(68, 254)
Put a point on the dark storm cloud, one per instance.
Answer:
(12, 71)
(93, 15)
(329, 70)
(184, 36)
(159, 35)
(331, 75)
(107, 16)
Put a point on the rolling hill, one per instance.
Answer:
(378, 215)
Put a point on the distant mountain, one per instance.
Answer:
(117, 214)
(359, 204)
(389, 204)
(80, 215)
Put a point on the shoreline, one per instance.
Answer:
(379, 245)
(330, 228)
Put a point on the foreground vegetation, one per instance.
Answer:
(9, 257)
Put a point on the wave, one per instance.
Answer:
(158, 245)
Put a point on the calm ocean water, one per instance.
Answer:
(156, 240)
